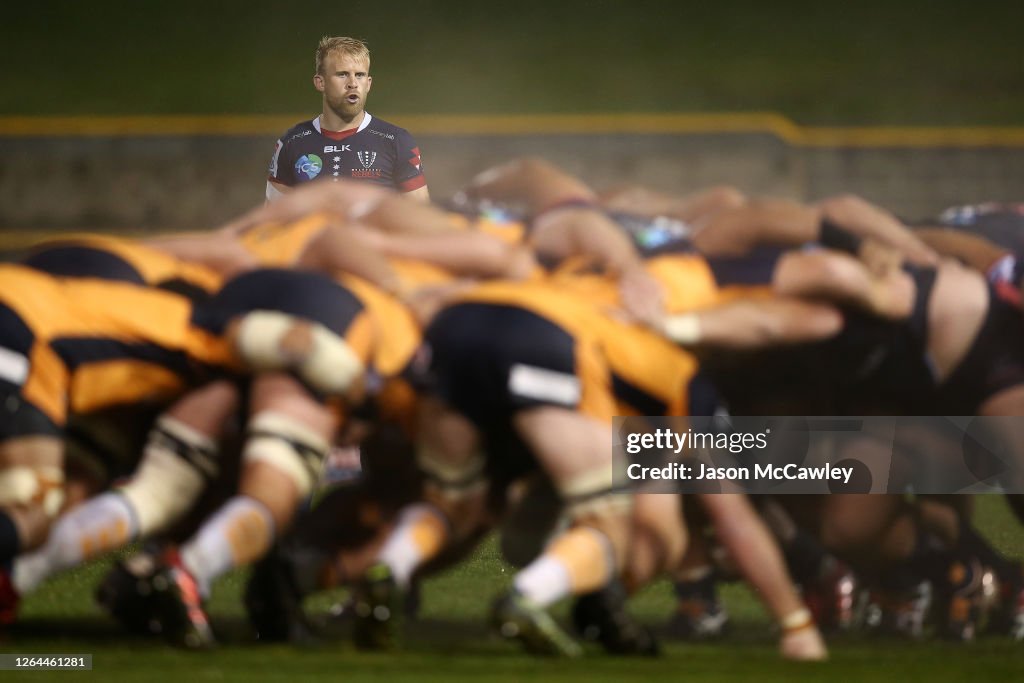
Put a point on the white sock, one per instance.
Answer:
(240, 532)
(544, 581)
(100, 525)
(406, 548)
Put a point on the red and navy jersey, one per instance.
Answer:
(1001, 223)
(376, 151)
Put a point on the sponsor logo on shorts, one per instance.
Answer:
(308, 165)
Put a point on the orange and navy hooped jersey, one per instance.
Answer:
(379, 329)
(120, 259)
(687, 280)
(747, 276)
(82, 344)
(281, 244)
(621, 368)
(394, 336)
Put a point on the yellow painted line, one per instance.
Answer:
(569, 124)
(533, 124)
(914, 137)
(129, 126)
(553, 124)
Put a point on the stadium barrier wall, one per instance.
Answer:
(164, 173)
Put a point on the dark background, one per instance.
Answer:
(868, 62)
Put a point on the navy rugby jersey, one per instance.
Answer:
(376, 151)
(1001, 223)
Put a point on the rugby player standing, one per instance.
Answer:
(345, 141)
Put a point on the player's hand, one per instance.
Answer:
(921, 254)
(881, 259)
(642, 297)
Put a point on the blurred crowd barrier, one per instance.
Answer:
(153, 181)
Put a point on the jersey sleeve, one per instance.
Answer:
(408, 175)
(281, 168)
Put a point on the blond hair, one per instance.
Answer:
(353, 47)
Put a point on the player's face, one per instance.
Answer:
(345, 84)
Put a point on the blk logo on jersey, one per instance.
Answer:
(309, 166)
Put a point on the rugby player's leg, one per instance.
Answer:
(1005, 405)
(31, 494)
(450, 456)
(288, 435)
(31, 491)
(699, 613)
(883, 538)
(573, 450)
(659, 538)
(828, 585)
(756, 554)
(180, 457)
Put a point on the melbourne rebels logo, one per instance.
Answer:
(367, 158)
(308, 166)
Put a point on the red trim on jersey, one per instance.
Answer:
(413, 184)
(1008, 292)
(339, 134)
(415, 158)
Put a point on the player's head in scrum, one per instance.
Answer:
(343, 76)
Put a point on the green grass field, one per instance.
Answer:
(870, 62)
(450, 643)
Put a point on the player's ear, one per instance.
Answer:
(369, 82)
(318, 82)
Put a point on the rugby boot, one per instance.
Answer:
(900, 614)
(1008, 614)
(273, 601)
(831, 598)
(9, 599)
(514, 617)
(1016, 629)
(699, 614)
(126, 594)
(968, 590)
(602, 617)
(179, 607)
(377, 606)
